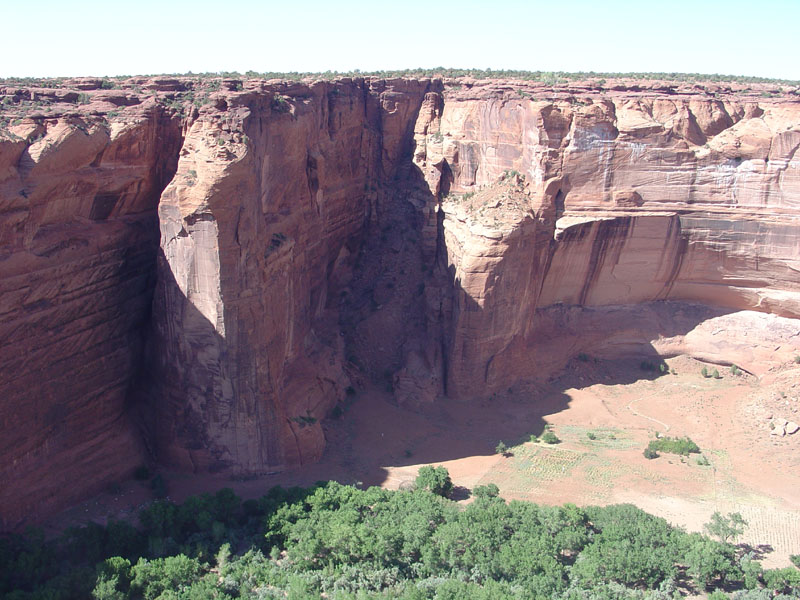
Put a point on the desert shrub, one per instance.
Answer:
(152, 578)
(708, 561)
(795, 558)
(113, 579)
(630, 547)
(659, 367)
(715, 374)
(785, 580)
(703, 461)
(704, 372)
(674, 445)
(735, 370)
(650, 454)
(751, 570)
(280, 104)
(591, 435)
(343, 543)
(548, 437)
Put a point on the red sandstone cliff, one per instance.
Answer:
(258, 230)
(79, 240)
(308, 230)
(632, 196)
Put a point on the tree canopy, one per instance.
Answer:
(343, 543)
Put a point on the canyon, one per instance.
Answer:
(197, 272)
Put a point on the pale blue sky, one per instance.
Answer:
(89, 37)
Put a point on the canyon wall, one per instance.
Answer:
(78, 226)
(259, 230)
(632, 197)
(216, 344)
(194, 272)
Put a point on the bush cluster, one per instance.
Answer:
(674, 445)
(342, 543)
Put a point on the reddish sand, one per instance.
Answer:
(622, 407)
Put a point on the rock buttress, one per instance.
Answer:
(258, 233)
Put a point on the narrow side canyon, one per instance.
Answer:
(194, 272)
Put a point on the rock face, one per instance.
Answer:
(257, 232)
(194, 272)
(79, 240)
(633, 197)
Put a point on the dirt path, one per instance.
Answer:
(638, 414)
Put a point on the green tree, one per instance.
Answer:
(434, 479)
(726, 527)
(489, 490)
(786, 581)
(152, 578)
(751, 570)
(113, 579)
(548, 437)
(707, 561)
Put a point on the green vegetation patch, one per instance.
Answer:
(339, 542)
(674, 445)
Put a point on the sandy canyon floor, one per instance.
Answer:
(604, 414)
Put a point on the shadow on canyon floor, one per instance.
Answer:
(377, 442)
